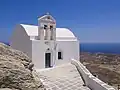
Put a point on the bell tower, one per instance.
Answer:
(46, 27)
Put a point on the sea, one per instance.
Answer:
(113, 48)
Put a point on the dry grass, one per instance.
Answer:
(105, 66)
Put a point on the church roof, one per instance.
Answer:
(46, 16)
(61, 33)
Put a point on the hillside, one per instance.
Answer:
(105, 66)
(16, 71)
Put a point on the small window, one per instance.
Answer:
(51, 27)
(59, 55)
(45, 26)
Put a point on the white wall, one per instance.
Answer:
(21, 41)
(39, 48)
(92, 82)
(70, 50)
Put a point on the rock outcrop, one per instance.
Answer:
(16, 70)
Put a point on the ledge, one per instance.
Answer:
(91, 81)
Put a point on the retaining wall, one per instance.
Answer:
(91, 81)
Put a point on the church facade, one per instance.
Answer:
(45, 44)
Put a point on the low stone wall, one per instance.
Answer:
(91, 81)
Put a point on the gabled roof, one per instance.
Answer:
(61, 33)
(46, 17)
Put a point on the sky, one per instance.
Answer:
(92, 21)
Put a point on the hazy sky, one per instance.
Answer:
(90, 20)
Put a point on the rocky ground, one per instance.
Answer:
(105, 66)
(16, 71)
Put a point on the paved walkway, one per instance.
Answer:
(64, 77)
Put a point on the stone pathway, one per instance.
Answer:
(64, 77)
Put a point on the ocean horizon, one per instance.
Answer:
(113, 48)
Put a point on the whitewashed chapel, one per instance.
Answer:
(47, 45)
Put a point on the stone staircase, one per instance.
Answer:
(63, 77)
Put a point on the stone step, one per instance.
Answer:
(63, 77)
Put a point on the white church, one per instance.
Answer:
(45, 44)
(48, 47)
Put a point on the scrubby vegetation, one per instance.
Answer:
(105, 66)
